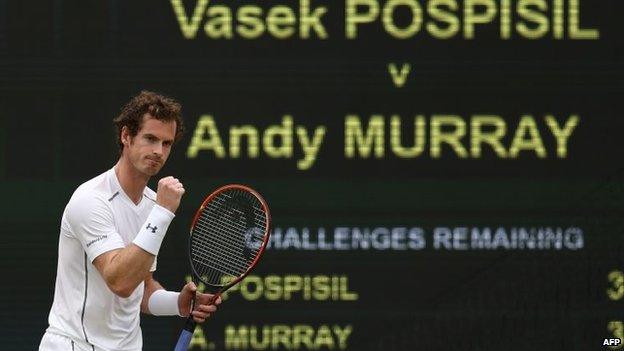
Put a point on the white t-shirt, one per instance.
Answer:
(99, 217)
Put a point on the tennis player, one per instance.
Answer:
(111, 232)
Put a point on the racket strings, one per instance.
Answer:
(216, 258)
(204, 257)
(226, 222)
(227, 247)
(227, 236)
(258, 212)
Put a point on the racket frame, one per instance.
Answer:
(218, 289)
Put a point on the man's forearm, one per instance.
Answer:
(124, 269)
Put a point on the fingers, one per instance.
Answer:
(171, 183)
(200, 319)
(167, 180)
(169, 193)
(202, 312)
(208, 299)
(205, 306)
(190, 287)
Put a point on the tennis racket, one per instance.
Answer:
(228, 235)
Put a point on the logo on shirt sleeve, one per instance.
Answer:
(99, 238)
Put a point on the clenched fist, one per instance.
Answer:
(169, 193)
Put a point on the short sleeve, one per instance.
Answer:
(92, 223)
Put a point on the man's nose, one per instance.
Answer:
(158, 148)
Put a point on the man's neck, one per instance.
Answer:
(132, 182)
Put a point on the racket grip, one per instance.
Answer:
(186, 335)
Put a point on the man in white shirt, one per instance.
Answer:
(111, 232)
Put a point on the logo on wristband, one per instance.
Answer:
(152, 228)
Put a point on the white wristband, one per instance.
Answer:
(153, 231)
(164, 303)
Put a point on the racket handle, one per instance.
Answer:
(186, 335)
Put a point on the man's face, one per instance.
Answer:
(150, 148)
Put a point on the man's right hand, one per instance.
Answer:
(169, 193)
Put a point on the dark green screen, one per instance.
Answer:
(373, 248)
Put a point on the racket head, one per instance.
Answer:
(229, 233)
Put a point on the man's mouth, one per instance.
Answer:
(154, 161)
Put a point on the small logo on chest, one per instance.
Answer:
(149, 227)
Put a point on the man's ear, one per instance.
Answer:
(125, 136)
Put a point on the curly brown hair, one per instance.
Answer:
(158, 106)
